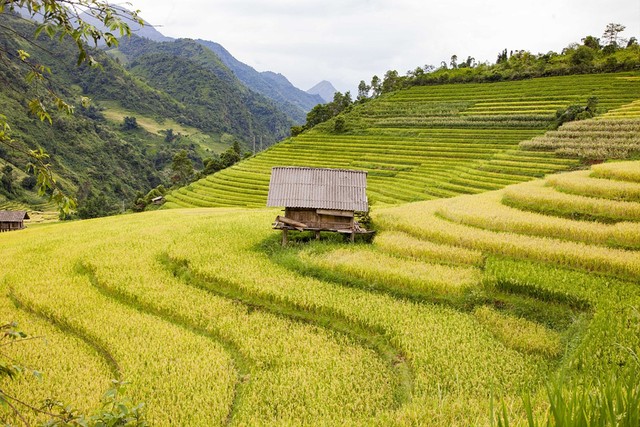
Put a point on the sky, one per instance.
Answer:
(345, 41)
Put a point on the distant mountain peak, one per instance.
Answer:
(325, 89)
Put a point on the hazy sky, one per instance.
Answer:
(345, 41)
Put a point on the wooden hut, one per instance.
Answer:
(12, 220)
(318, 199)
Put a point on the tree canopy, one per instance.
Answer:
(614, 53)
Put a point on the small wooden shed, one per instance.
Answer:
(12, 220)
(318, 199)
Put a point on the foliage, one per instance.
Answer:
(170, 136)
(195, 76)
(60, 19)
(94, 206)
(130, 123)
(227, 158)
(576, 112)
(182, 168)
(323, 112)
(142, 202)
(28, 182)
(7, 180)
(589, 57)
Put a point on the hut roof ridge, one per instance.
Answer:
(13, 216)
(318, 188)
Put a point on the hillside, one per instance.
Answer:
(427, 142)
(291, 100)
(147, 30)
(213, 322)
(94, 157)
(294, 102)
(90, 156)
(195, 76)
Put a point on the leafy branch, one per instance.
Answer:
(60, 18)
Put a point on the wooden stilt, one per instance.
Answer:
(317, 234)
(353, 237)
(285, 236)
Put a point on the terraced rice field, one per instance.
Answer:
(428, 142)
(614, 135)
(458, 303)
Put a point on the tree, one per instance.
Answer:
(318, 114)
(130, 123)
(363, 91)
(29, 182)
(340, 103)
(391, 82)
(229, 158)
(170, 136)
(375, 86)
(296, 130)
(582, 58)
(181, 167)
(502, 57)
(592, 42)
(58, 18)
(236, 147)
(454, 61)
(7, 179)
(611, 33)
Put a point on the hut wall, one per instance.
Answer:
(11, 225)
(321, 219)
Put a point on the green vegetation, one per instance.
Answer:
(592, 55)
(119, 144)
(516, 306)
(460, 305)
(431, 141)
(614, 135)
(194, 75)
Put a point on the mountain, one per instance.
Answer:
(195, 76)
(294, 102)
(178, 86)
(324, 89)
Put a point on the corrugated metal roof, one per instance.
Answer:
(318, 188)
(13, 216)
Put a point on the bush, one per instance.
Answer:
(29, 182)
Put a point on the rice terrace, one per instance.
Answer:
(501, 286)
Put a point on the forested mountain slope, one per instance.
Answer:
(195, 76)
(293, 101)
(96, 158)
(428, 141)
